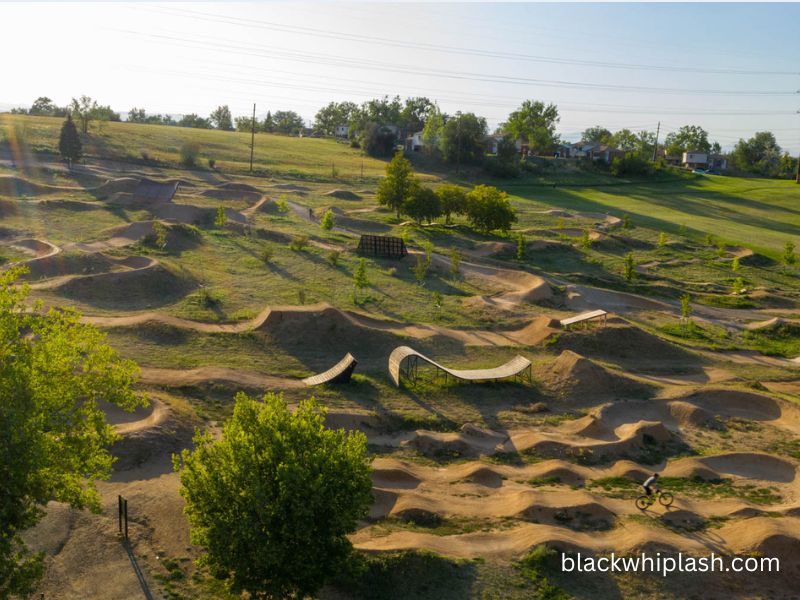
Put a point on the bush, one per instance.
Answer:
(299, 243)
(488, 209)
(212, 163)
(495, 167)
(422, 204)
(333, 257)
(630, 164)
(266, 254)
(189, 153)
(327, 220)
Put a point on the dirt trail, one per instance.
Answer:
(202, 375)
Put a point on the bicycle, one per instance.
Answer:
(644, 501)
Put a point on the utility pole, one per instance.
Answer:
(655, 147)
(458, 142)
(252, 136)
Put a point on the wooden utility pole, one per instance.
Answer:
(252, 136)
(797, 179)
(655, 147)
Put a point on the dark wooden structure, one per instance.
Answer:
(338, 373)
(384, 246)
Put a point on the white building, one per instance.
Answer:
(695, 159)
(414, 143)
(342, 131)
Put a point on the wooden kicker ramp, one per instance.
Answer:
(338, 373)
(404, 361)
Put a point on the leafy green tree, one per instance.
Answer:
(69, 142)
(160, 235)
(288, 122)
(597, 134)
(630, 164)
(194, 121)
(398, 185)
(421, 268)
(789, 256)
(360, 280)
(462, 138)
(489, 208)
(414, 114)
(269, 123)
(629, 267)
(137, 115)
(452, 200)
(535, 123)
(586, 239)
(273, 500)
(520, 247)
(377, 140)
(626, 221)
(432, 131)
(686, 139)
(455, 262)
(44, 106)
(662, 239)
(686, 307)
(221, 118)
(761, 155)
(625, 140)
(329, 117)
(327, 220)
(735, 264)
(244, 124)
(53, 435)
(221, 219)
(189, 153)
(422, 204)
(83, 108)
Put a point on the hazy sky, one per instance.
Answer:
(732, 68)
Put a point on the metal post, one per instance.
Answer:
(125, 505)
(119, 512)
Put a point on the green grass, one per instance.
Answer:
(692, 487)
(783, 340)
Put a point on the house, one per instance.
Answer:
(414, 143)
(493, 141)
(717, 162)
(606, 153)
(582, 149)
(342, 131)
(593, 151)
(695, 159)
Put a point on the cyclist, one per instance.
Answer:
(651, 482)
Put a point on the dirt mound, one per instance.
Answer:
(583, 516)
(484, 476)
(736, 403)
(68, 263)
(575, 377)
(238, 187)
(40, 249)
(289, 187)
(588, 426)
(219, 194)
(624, 344)
(537, 331)
(343, 195)
(394, 478)
(686, 413)
(195, 215)
(126, 235)
(11, 185)
(120, 185)
(145, 283)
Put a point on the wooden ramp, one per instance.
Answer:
(405, 361)
(338, 373)
(584, 318)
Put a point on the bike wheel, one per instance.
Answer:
(642, 502)
(665, 499)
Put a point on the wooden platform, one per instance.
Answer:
(405, 361)
(583, 318)
(338, 373)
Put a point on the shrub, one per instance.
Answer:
(735, 264)
(282, 204)
(630, 164)
(422, 204)
(455, 262)
(360, 281)
(189, 153)
(160, 235)
(520, 247)
(489, 208)
(586, 241)
(333, 257)
(629, 267)
(212, 163)
(266, 254)
(789, 257)
(221, 218)
(626, 221)
(452, 200)
(299, 243)
(327, 220)
(301, 297)
(420, 268)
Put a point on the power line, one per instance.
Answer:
(367, 39)
(328, 59)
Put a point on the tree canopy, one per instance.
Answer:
(535, 123)
(598, 134)
(287, 121)
(273, 500)
(221, 118)
(489, 208)
(761, 155)
(329, 117)
(463, 138)
(69, 142)
(53, 435)
(422, 204)
(686, 139)
(398, 185)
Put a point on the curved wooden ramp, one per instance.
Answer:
(338, 373)
(404, 361)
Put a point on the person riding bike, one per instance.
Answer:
(651, 482)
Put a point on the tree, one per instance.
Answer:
(422, 204)
(221, 118)
(535, 123)
(414, 114)
(360, 281)
(521, 247)
(83, 108)
(761, 154)
(221, 219)
(288, 122)
(45, 107)
(452, 200)
(629, 267)
(195, 121)
(398, 185)
(432, 131)
(625, 140)
(598, 134)
(630, 164)
(377, 140)
(244, 124)
(327, 221)
(789, 257)
(189, 152)
(269, 123)
(455, 262)
(137, 115)
(69, 142)
(462, 138)
(686, 139)
(329, 117)
(53, 435)
(488, 209)
(686, 308)
(273, 500)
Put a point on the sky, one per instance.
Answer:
(730, 68)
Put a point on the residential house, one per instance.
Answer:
(717, 162)
(593, 151)
(695, 159)
(342, 131)
(414, 143)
